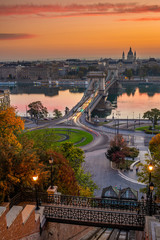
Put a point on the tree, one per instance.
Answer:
(154, 143)
(10, 125)
(153, 116)
(37, 110)
(64, 176)
(56, 113)
(18, 165)
(129, 73)
(18, 160)
(154, 147)
(132, 152)
(118, 150)
(75, 157)
(74, 154)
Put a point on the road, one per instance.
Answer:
(100, 167)
(95, 160)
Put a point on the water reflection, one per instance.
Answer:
(127, 99)
(132, 98)
(51, 97)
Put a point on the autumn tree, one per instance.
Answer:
(56, 113)
(118, 150)
(154, 143)
(18, 160)
(153, 115)
(64, 176)
(10, 125)
(37, 110)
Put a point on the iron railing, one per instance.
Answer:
(92, 217)
(140, 207)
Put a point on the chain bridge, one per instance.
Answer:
(98, 87)
(99, 212)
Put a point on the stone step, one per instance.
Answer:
(27, 211)
(39, 214)
(2, 210)
(12, 214)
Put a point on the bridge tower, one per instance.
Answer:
(113, 71)
(96, 81)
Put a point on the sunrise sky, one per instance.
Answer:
(56, 29)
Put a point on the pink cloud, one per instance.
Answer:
(15, 36)
(77, 9)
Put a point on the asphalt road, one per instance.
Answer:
(95, 160)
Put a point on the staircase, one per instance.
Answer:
(19, 222)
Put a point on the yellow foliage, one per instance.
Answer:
(85, 192)
(154, 143)
(10, 126)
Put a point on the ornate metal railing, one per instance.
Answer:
(84, 202)
(92, 217)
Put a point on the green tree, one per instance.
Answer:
(153, 115)
(129, 73)
(75, 157)
(37, 110)
(74, 154)
(143, 174)
(57, 114)
(132, 152)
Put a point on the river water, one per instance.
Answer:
(130, 101)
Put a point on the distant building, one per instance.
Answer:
(4, 98)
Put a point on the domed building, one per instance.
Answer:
(130, 56)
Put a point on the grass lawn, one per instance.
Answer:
(148, 129)
(56, 136)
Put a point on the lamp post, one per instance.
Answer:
(35, 178)
(118, 114)
(51, 162)
(150, 168)
(149, 194)
(151, 188)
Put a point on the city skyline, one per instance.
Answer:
(90, 29)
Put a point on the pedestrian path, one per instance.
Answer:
(131, 175)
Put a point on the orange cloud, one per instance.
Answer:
(15, 36)
(77, 9)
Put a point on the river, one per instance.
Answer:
(129, 101)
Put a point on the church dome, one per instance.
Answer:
(130, 51)
(130, 55)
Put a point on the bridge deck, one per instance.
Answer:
(92, 217)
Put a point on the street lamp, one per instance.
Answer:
(51, 162)
(35, 178)
(151, 188)
(150, 168)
